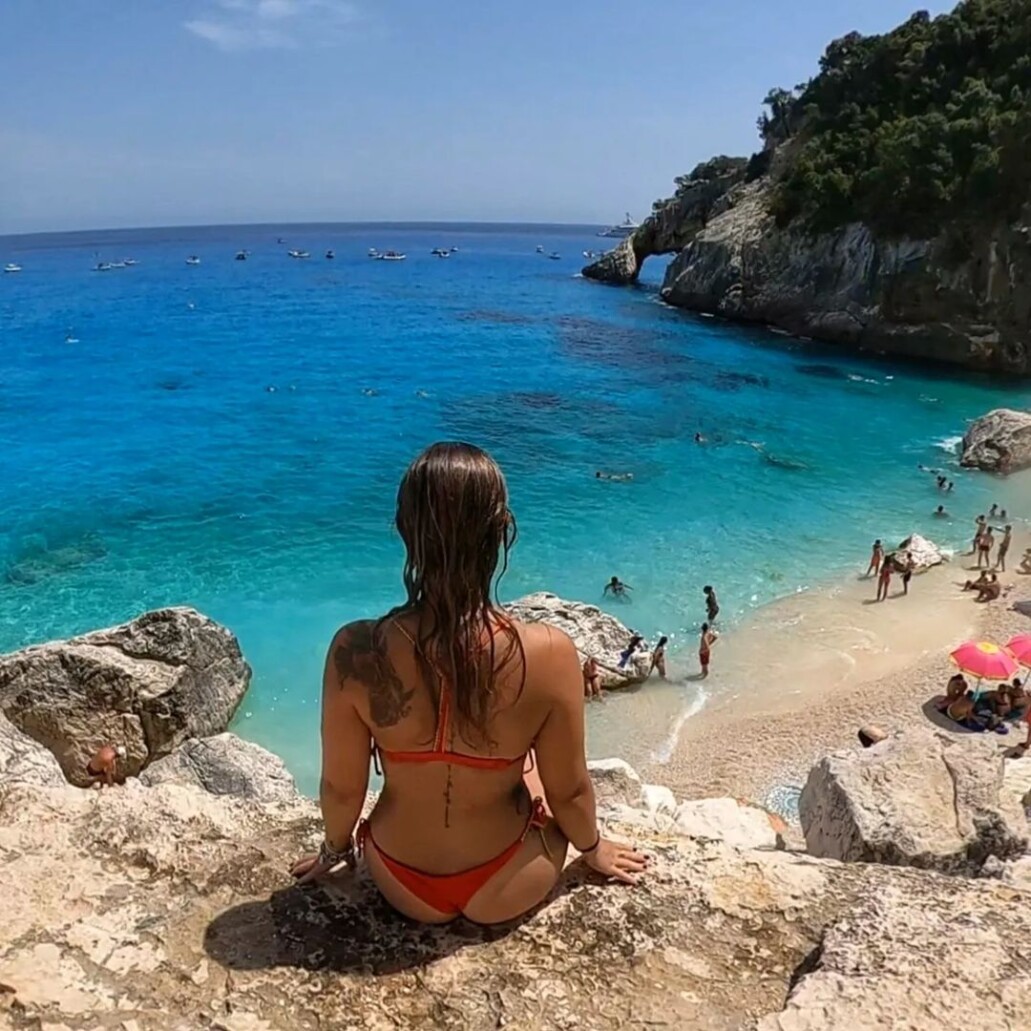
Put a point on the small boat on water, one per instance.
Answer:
(391, 256)
(591, 255)
(117, 264)
(129, 262)
(299, 254)
(279, 239)
(625, 228)
(373, 253)
(193, 260)
(441, 252)
(240, 256)
(540, 248)
(103, 266)
(330, 255)
(555, 256)
(12, 267)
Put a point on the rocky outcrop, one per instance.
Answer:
(595, 633)
(999, 442)
(925, 553)
(148, 685)
(673, 223)
(911, 297)
(23, 760)
(921, 798)
(169, 909)
(224, 765)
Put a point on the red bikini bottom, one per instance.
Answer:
(450, 893)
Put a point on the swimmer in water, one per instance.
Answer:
(699, 439)
(993, 512)
(369, 392)
(712, 605)
(617, 587)
(940, 513)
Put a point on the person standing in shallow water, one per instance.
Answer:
(876, 558)
(659, 658)
(705, 642)
(884, 579)
(712, 605)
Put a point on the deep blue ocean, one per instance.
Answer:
(230, 436)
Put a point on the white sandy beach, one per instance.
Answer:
(804, 673)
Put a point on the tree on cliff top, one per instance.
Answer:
(907, 130)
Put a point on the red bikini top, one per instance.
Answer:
(439, 753)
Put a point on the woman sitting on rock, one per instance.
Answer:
(478, 722)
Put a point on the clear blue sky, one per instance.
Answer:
(159, 112)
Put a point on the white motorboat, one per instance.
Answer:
(298, 254)
(441, 252)
(103, 266)
(540, 248)
(330, 255)
(240, 256)
(11, 267)
(129, 262)
(625, 228)
(193, 260)
(117, 264)
(555, 256)
(391, 256)
(373, 253)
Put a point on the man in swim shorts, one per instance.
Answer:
(984, 547)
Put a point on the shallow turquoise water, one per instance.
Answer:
(207, 441)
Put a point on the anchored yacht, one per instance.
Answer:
(625, 228)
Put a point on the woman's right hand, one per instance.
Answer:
(613, 859)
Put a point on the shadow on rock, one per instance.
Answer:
(344, 925)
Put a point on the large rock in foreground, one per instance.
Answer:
(170, 909)
(999, 442)
(594, 632)
(148, 685)
(224, 765)
(921, 798)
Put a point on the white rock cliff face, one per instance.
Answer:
(905, 297)
(999, 441)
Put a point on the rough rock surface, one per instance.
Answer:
(925, 553)
(999, 441)
(921, 798)
(907, 297)
(224, 765)
(148, 685)
(726, 820)
(595, 633)
(169, 909)
(25, 760)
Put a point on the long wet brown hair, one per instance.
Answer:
(454, 519)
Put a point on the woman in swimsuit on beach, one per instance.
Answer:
(876, 557)
(478, 722)
(705, 643)
(659, 658)
(592, 678)
(884, 579)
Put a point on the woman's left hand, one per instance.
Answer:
(311, 868)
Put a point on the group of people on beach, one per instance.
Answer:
(885, 566)
(592, 671)
(990, 710)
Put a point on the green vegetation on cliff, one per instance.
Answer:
(913, 128)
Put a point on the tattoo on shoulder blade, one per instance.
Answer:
(360, 657)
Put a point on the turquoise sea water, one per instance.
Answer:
(230, 436)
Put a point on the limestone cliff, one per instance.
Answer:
(907, 297)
